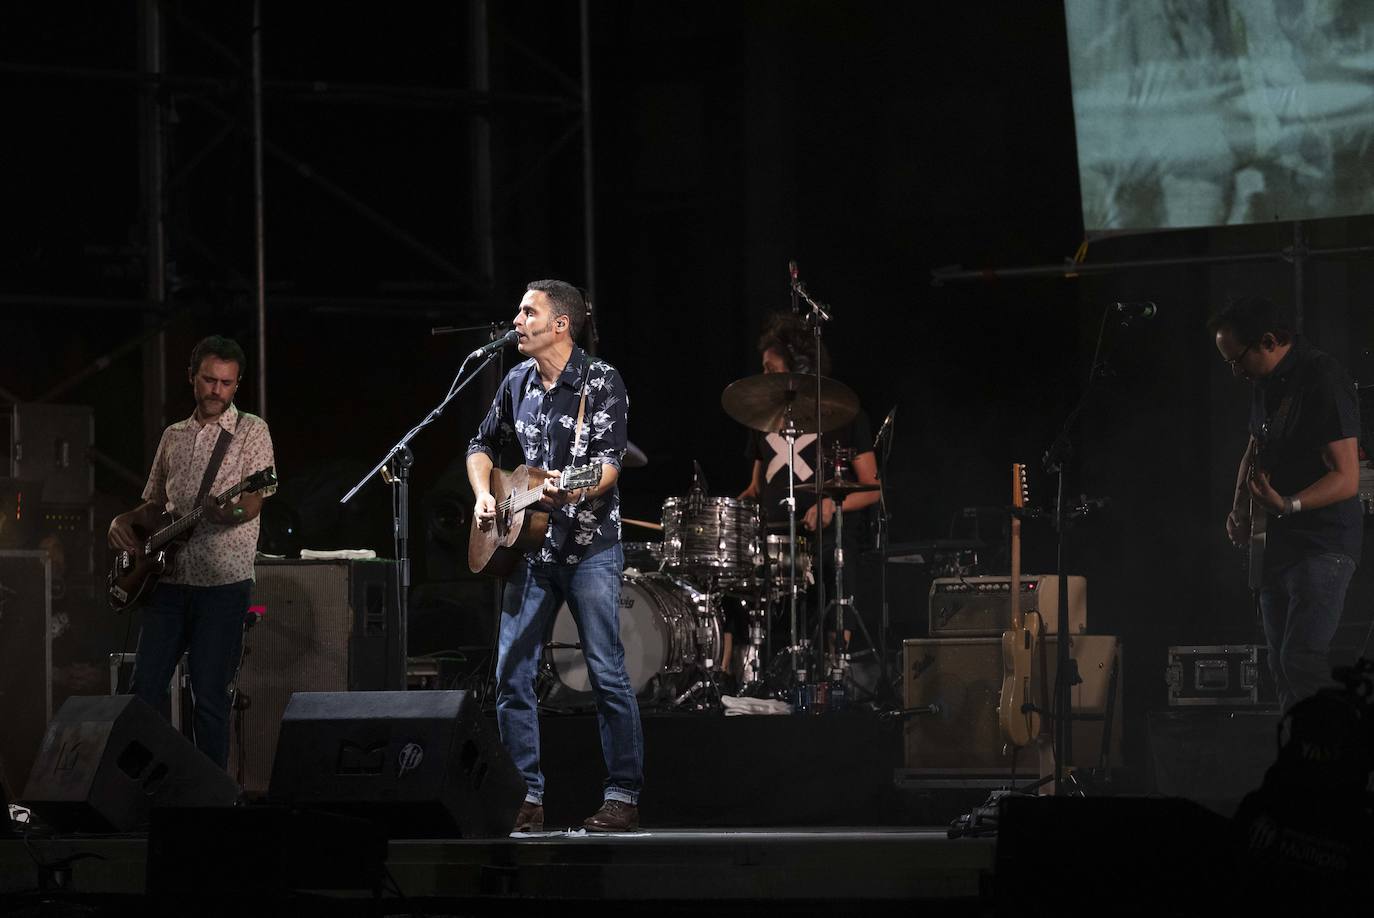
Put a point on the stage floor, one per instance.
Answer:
(795, 867)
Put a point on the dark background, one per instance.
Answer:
(871, 142)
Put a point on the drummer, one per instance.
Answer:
(787, 346)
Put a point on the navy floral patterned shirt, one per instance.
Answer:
(542, 424)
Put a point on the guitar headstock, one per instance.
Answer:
(584, 476)
(265, 478)
(1020, 489)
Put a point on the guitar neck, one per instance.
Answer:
(1016, 621)
(188, 522)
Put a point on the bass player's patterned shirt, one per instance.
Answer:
(541, 423)
(216, 554)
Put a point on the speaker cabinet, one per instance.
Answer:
(107, 760)
(25, 657)
(424, 763)
(324, 626)
(959, 681)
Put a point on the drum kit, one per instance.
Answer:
(719, 562)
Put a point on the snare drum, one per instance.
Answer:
(643, 556)
(667, 627)
(711, 535)
(780, 550)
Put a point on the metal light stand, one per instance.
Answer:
(401, 459)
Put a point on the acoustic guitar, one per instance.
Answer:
(1016, 716)
(134, 574)
(520, 526)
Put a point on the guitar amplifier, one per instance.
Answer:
(324, 626)
(981, 606)
(951, 688)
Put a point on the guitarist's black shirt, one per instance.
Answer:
(541, 424)
(1324, 409)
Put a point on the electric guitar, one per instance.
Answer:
(519, 526)
(1019, 723)
(134, 574)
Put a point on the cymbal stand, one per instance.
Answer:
(817, 316)
(796, 647)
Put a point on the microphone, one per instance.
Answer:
(885, 427)
(1142, 310)
(491, 347)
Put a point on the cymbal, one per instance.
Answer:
(635, 458)
(842, 489)
(760, 402)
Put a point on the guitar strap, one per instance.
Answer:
(216, 460)
(581, 413)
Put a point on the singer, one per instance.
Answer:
(563, 408)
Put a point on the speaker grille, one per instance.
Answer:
(311, 632)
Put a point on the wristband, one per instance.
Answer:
(1294, 506)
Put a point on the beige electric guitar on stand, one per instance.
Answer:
(1016, 714)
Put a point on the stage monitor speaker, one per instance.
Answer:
(324, 626)
(107, 760)
(959, 681)
(425, 763)
(1213, 756)
(1085, 854)
(25, 656)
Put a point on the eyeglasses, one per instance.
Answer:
(1234, 362)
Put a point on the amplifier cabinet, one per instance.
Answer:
(25, 660)
(953, 685)
(324, 626)
(981, 606)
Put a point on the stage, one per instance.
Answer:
(758, 870)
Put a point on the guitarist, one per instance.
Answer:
(200, 604)
(1301, 468)
(580, 561)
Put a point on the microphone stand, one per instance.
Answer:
(819, 315)
(395, 470)
(1053, 461)
(883, 536)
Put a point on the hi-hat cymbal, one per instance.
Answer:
(841, 489)
(762, 402)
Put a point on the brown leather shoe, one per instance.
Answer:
(530, 818)
(614, 816)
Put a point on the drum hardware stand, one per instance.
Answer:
(818, 315)
(789, 433)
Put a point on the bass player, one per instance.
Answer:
(199, 606)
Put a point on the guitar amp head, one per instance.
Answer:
(981, 606)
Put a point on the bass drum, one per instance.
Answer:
(668, 630)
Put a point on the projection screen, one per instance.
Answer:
(1216, 112)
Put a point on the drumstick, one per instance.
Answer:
(641, 523)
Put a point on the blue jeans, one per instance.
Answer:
(1301, 606)
(207, 622)
(533, 596)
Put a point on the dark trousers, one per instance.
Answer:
(1301, 605)
(207, 622)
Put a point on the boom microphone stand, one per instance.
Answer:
(395, 468)
(1054, 459)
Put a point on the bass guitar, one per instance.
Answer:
(134, 574)
(520, 525)
(1016, 715)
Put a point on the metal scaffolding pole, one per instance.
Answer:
(588, 177)
(259, 225)
(479, 76)
(154, 349)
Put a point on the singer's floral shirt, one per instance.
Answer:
(541, 423)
